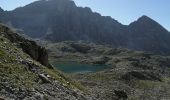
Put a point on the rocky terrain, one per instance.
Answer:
(36, 52)
(133, 75)
(137, 54)
(26, 74)
(62, 20)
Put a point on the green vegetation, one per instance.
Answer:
(146, 84)
(64, 79)
(17, 76)
(101, 77)
(14, 73)
(2, 53)
(149, 90)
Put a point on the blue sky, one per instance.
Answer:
(125, 11)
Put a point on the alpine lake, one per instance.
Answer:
(75, 67)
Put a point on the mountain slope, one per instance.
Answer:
(62, 20)
(148, 35)
(30, 47)
(21, 77)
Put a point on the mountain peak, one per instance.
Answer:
(147, 23)
(42, 6)
(145, 18)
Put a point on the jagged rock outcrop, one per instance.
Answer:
(1, 10)
(1, 14)
(38, 53)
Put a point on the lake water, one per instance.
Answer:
(74, 67)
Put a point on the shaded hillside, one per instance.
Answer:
(61, 20)
(22, 77)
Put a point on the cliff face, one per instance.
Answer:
(59, 20)
(36, 52)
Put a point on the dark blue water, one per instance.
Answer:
(74, 67)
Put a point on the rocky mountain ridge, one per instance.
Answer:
(62, 20)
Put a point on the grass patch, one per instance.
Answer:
(17, 76)
(2, 53)
(13, 73)
(146, 84)
(102, 76)
(65, 80)
(99, 77)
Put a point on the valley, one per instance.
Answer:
(56, 50)
(131, 75)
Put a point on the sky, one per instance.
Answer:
(125, 11)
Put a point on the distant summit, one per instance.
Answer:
(62, 20)
(147, 23)
(148, 35)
